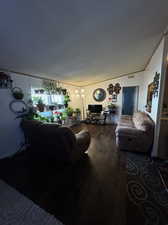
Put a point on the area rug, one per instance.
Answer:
(147, 198)
(163, 170)
(16, 209)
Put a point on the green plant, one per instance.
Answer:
(30, 115)
(18, 95)
(52, 119)
(59, 90)
(40, 102)
(66, 100)
(64, 91)
(69, 111)
(41, 118)
(35, 100)
(112, 106)
(40, 105)
(77, 111)
(63, 116)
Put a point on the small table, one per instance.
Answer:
(96, 118)
(71, 123)
(109, 114)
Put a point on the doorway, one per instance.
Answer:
(130, 100)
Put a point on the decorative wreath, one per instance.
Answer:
(24, 110)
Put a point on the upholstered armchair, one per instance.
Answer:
(50, 141)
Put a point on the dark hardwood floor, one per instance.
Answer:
(90, 192)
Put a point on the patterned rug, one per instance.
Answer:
(16, 209)
(147, 198)
(163, 170)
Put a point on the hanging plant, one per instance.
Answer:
(64, 91)
(41, 91)
(50, 86)
(59, 90)
(17, 93)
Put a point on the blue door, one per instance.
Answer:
(129, 98)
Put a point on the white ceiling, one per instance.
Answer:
(80, 41)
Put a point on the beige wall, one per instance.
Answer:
(26, 82)
(155, 65)
(141, 79)
(11, 136)
(137, 80)
(75, 99)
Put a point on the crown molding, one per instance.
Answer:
(114, 77)
(34, 76)
(67, 83)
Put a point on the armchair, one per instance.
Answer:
(50, 141)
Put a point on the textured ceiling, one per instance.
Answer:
(80, 41)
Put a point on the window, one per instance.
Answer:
(53, 99)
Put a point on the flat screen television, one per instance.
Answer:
(95, 108)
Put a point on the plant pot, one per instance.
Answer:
(70, 115)
(41, 108)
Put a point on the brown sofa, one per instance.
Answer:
(49, 141)
(135, 133)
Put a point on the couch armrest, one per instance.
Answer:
(83, 140)
(128, 131)
(59, 136)
(59, 143)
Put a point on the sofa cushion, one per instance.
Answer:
(126, 122)
(128, 131)
(142, 121)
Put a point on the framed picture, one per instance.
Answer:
(149, 98)
(114, 98)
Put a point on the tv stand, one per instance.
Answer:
(96, 118)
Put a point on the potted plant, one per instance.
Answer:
(112, 108)
(40, 105)
(63, 117)
(17, 93)
(35, 100)
(66, 100)
(69, 111)
(77, 113)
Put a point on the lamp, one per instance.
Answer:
(80, 94)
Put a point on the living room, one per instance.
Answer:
(83, 105)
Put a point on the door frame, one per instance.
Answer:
(136, 101)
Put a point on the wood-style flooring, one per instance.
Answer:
(91, 192)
